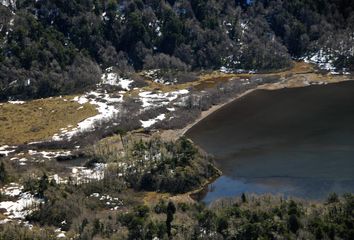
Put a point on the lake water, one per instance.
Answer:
(295, 142)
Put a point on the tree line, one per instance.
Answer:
(53, 47)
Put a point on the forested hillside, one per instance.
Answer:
(52, 47)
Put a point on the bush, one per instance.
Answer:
(3, 173)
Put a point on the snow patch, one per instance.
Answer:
(83, 174)
(325, 59)
(106, 110)
(150, 122)
(49, 155)
(113, 202)
(322, 59)
(19, 208)
(61, 235)
(150, 99)
(6, 150)
(16, 102)
(156, 27)
(111, 78)
(244, 27)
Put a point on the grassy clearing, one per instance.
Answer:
(40, 119)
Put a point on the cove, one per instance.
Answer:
(294, 142)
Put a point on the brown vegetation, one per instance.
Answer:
(40, 119)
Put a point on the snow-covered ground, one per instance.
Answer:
(229, 70)
(34, 156)
(111, 78)
(153, 73)
(151, 100)
(159, 99)
(155, 76)
(324, 60)
(20, 204)
(60, 233)
(230, 66)
(6, 150)
(79, 175)
(16, 102)
(48, 154)
(23, 203)
(112, 202)
(150, 122)
(106, 107)
(82, 174)
(21, 161)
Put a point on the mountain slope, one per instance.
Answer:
(60, 47)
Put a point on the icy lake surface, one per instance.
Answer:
(295, 142)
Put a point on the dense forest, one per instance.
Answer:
(118, 206)
(52, 47)
(248, 217)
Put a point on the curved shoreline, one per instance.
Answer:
(269, 87)
(272, 86)
(213, 109)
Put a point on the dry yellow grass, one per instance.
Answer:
(39, 119)
(152, 198)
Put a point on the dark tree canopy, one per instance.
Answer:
(49, 42)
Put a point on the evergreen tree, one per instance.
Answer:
(243, 198)
(43, 185)
(48, 41)
(171, 209)
(3, 173)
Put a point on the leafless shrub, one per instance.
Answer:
(110, 88)
(203, 100)
(152, 113)
(139, 82)
(265, 79)
(163, 61)
(178, 76)
(183, 77)
(179, 119)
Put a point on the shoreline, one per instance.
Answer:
(213, 109)
(269, 87)
(289, 83)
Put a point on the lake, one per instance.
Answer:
(294, 142)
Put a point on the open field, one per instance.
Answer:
(40, 119)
